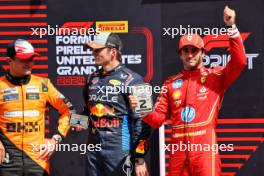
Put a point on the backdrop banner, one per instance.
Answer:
(150, 31)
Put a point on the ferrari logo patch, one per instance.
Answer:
(203, 79)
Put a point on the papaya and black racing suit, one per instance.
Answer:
(23, 103)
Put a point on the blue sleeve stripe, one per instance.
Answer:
(126, 136)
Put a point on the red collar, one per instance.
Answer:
(194, 72)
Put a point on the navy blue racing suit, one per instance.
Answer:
(120, 133)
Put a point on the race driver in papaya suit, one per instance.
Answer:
(23, 101)
(193, 100)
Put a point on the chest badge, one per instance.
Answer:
(188, 114)
(176, 94)
(203, 79)
(95, 80)
(177, 84)
(44, 87)
(115, 82)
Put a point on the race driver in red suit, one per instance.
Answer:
(193, 100)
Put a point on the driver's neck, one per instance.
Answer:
(14, 74)
(200, 65)
(110, 66)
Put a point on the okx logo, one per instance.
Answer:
(215, 57)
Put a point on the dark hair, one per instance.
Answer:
(10, 50)
(119, 56)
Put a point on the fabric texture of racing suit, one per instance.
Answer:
(120, 133)
(23, 102)
(192, 103)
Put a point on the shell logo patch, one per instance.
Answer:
(115, 82)
(176, 94)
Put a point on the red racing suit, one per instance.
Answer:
(192, 102)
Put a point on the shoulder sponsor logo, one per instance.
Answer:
(188, 114)
(115, 82)
(112, 26)
(32, 89)
(177, 84)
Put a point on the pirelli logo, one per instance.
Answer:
(112, 26)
